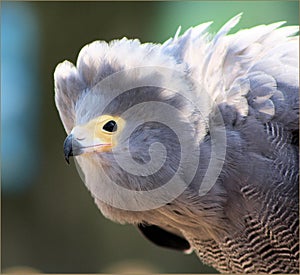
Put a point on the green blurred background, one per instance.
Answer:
(49, 220)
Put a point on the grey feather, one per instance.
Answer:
(248, 221)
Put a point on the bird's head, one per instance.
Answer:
(128, 111)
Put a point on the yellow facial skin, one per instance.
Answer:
(93, 138)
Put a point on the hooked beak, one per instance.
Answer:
(71, 147)
(74, 146)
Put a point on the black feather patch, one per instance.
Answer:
(164, 238)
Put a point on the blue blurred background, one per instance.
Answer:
(49, 221)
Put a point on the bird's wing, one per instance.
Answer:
(262, 65)
(254, 70)
(164, 238)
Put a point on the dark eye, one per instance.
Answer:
(110, 126)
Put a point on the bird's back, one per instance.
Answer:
(254, 77)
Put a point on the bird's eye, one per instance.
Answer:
(110, 126)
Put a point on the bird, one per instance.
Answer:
(193, 141)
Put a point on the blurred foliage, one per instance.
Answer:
(54, 226)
